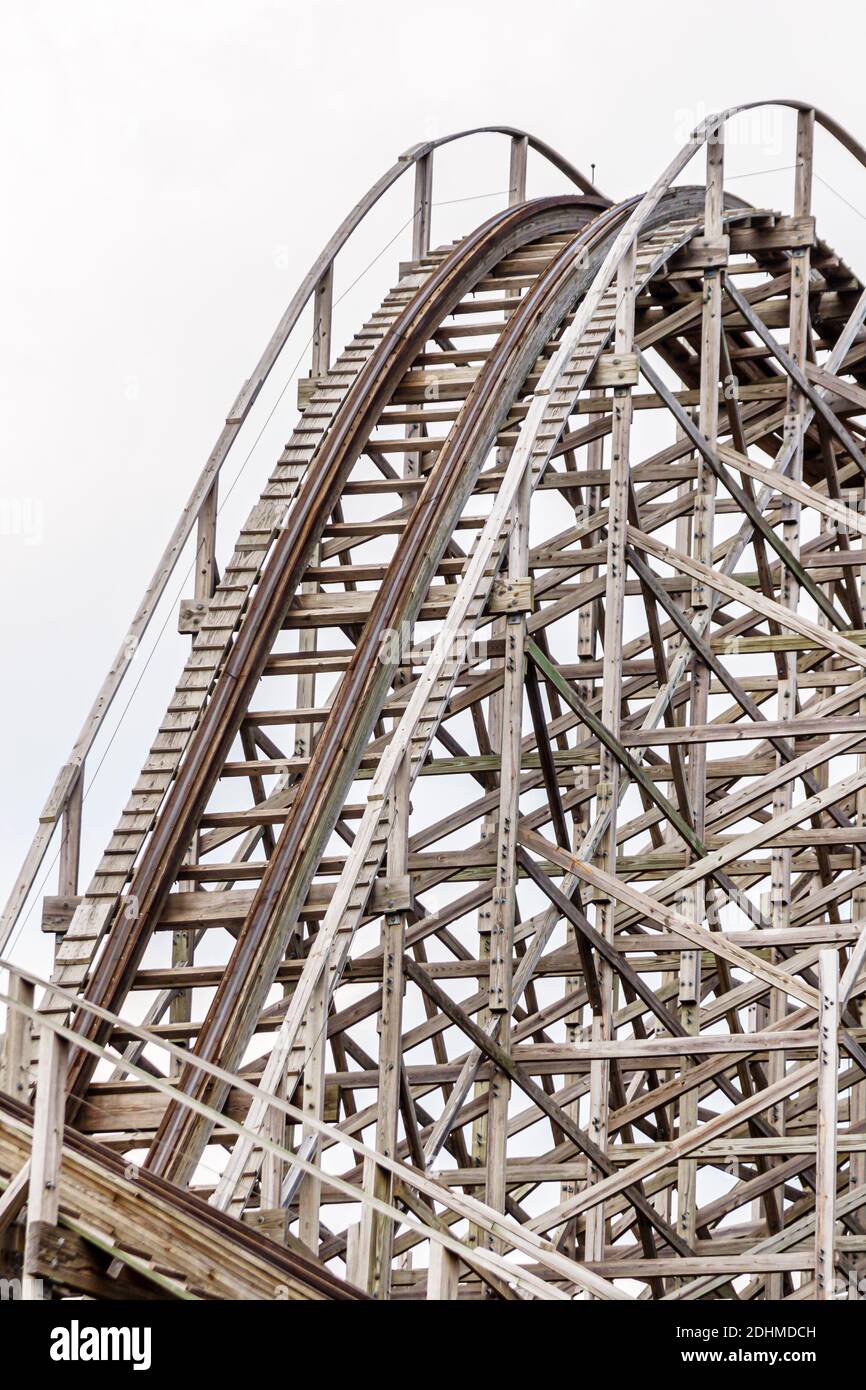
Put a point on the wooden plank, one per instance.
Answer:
(43, 1194)
(828, 1067)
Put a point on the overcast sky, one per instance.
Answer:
(171, 169)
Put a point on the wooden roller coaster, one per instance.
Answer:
(488, 918)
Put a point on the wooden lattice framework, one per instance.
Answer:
(489, 915)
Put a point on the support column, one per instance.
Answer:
(377, 1231)
(788, 595)
(70, 840)
(611, 704)
(323, 305)
(505, 881)
(70, 847)
(857, 1103)
(693, 902)
(828, 1082)
(183, 941)
(18, 1040)
(496, 725)
(205, 553)
(423, 204)
(517, 170)
(443, 1273)
(313, 1085)
(587, 629)
(43, 1202)
(312, 1103)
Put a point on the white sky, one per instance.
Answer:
(169, 173)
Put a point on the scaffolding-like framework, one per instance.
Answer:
(488, 918)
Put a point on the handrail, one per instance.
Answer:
(317, 284)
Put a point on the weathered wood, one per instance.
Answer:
(826, 1122)
(443, 1275)
(576, 944)
(43, 1192)
(17, 1040)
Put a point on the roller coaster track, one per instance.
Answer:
(476, 925)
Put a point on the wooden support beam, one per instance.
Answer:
(443, 1274)
(538, 1096)
(313, 1094)
(422, 206)
(323, 298)
(70, 839)
(827, 1122)
(376, 1249)
(14, 1196)
(17, 1040)
(43, 1195)
(611, 707)
(517, 169)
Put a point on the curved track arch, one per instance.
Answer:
(476, 919)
